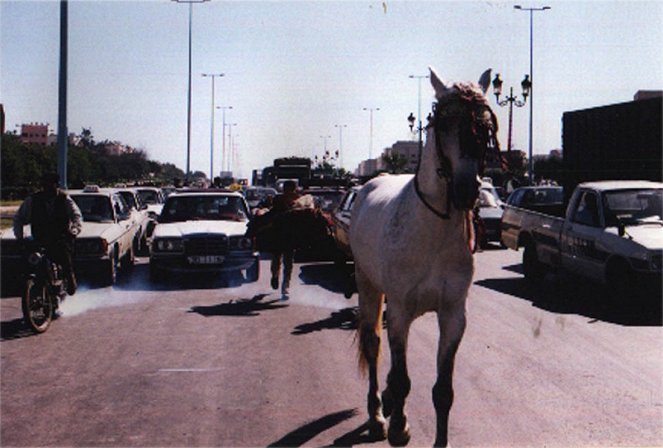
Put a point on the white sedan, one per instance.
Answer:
(203, 231)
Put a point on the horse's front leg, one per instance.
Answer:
(398, 381)
(370, 327)
(452, 326)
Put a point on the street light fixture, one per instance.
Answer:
(511, 100)
(211, 134)
(223, 133)
(188, 122)
(324, 137)
(531, 79)
(370, 144)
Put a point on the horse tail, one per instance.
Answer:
(369, 328)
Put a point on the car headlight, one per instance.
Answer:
(240, 243)
(91, 246)
(169, 245)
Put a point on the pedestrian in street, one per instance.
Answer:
(283, 203)
(55, 221)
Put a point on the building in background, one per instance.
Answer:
(34, 133)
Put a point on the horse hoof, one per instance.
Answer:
(377, 430)
(399, 438)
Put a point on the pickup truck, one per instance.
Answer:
(612, 233)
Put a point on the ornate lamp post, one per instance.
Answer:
(411, 117)
(511, 100)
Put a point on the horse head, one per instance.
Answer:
(464, 128)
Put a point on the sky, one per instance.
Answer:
(299, 75)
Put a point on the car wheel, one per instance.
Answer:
(620, 279)
(156, 274)
(533, 269)
(253, 273)
(129, 259)
(110, 271)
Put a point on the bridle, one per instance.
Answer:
(477, 133)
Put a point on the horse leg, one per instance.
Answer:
(452, 326)
(398, 381)
(370, 328)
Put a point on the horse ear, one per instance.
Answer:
(439, 85)
(484, 81)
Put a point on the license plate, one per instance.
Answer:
(205, 259)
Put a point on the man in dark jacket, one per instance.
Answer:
(283, 203)
(55, 221)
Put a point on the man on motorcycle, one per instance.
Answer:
(55, 221)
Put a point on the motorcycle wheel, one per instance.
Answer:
(37, 306)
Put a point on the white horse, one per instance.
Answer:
(410, 239)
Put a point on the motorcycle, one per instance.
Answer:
(45, 288)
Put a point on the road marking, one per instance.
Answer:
(189, 370)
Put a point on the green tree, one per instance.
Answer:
(395, 162)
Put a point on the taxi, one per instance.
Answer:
(108, 236)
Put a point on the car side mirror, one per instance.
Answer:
(621, 228)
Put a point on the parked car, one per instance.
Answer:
(490, 213)
(154, 199)
(612, 233)
(108, 236)
(548, 200)
(138, 215)
(203, 231)
(341, 218)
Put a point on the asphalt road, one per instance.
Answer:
(202, 363)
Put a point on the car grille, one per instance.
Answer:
(206, 245)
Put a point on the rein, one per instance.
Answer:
(476, 137)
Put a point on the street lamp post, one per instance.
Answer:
(370, 142)
(531, 78)
(340, 143)
(511, 100)
(211, 134)
(411, 117)
(223, 133)
(188, 100)
(230, 145)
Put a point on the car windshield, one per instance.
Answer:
(211, 208)
(149, 197)
(129, 199)
(327, 201)
(94, 208)
(257, 194)
(636, 206)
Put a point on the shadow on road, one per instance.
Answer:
(564, 295)
(303, 434)
(345, 319)
(14, 329)
(241, 307)
(325, 275)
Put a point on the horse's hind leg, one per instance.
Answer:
(370, 328)
(452, 326)
(398, 381)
